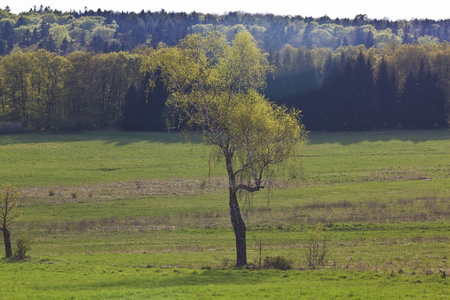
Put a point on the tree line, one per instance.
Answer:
(107, 31)
(352, 88)
(46, 91)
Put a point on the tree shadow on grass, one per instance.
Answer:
(170, 278)
(122, 138)
(118, 138)
(354, 137)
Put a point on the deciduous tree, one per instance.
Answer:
(9, 211)
(214, 87)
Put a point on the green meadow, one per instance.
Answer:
(145, 216)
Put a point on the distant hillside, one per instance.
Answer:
(108, 31)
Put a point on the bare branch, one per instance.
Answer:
(249, 188)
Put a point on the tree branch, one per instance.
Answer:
(249, 188)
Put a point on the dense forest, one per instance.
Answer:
(80, 70)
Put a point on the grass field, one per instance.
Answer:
(135, 215)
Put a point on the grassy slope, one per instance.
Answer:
(383, 195)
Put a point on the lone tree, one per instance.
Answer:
(9, 211)
(214, 87)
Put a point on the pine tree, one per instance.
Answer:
(64, 45)
(407, 37)
(358, 36)
(360, 108)
(408, 104)
(144, 108)
(386, 96)
(44, 30)
(370, 41)
(431, 102)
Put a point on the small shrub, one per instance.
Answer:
(260, 252)
(226, 262)
(277, 262)
(317, 246)
(203, 184)
(22, 247)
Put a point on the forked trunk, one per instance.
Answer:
(236, 219)
(7, 240)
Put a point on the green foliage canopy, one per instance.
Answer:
(214, 87)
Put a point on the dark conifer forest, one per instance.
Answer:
(81, 70)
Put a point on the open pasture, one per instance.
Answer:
(135, 215)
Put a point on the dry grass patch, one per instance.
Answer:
(209, 220)
(117, 190)
(399, 174)
(398, 210)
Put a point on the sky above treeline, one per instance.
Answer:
(374, 9)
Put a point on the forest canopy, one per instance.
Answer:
(108, 31)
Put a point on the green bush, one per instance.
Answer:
(277, 262)
(22, 247)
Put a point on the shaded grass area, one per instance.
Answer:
(118, 215)
(142, 282)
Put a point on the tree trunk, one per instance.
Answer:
(7, 240)
(239, 231)
(236, 219)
